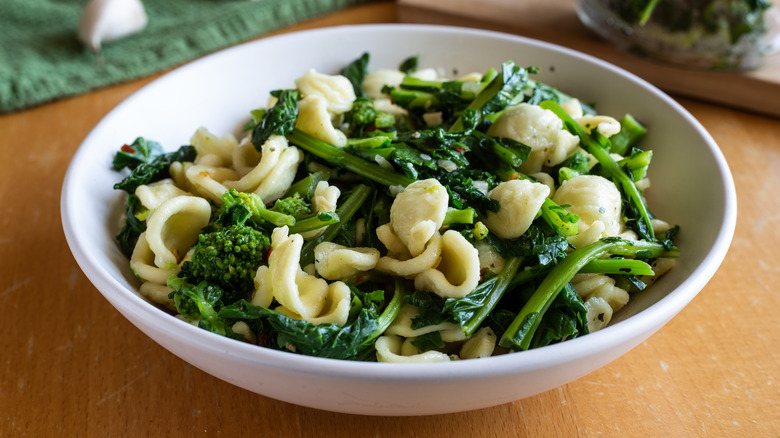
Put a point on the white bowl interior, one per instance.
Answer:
(218, 92)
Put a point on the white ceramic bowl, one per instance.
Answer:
(692, 187)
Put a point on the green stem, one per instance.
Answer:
(520, 332)
(344, 213)
(501, 283)
(391, 310)
(314, 223)
(609, 165)
(617, 266)
(342, 159)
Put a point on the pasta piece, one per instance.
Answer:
(207, 180)
(245, 156)
(411, 267)
(546, 179)
(520, 200)
(428, 74)
(387, 236)
(538, 128)
(206, 143)
(660, 226)
(315, 120)
(601, 286)
(336, 90)
(335, 309)
(337, 262)
(418, 212)
(457, 273)
(481, 344)
(281, 177)
(157, 293)
(324, 200)
(270, 153)
(300, 295)
(573, 107)
(153, 194)
(660, 267)
(599, 313)
(605, 125)
(596, 201)
(244, 330)
(374, 81)
(142, 263)
(173, 228)
(388, 349)
(489, 258)
(402, 324)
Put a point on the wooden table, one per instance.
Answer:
(71, 365)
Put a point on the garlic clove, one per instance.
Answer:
(107, 20)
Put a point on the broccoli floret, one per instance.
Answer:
(240, 207)
(294, 206)
(365, 120)
(229, 258)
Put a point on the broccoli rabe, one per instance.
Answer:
(364, 120)
(229, 258)
(147, 163)
(294, 206)
(526, 296)
(200, 302)
(240, 207)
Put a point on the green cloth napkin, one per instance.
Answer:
(41, 58)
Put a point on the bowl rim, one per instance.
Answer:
(133, 306)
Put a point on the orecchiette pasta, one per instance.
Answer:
(388, 349)
(457, 273)
(324, 200)
(278, 181)
(334, 90)
(143, 266)
(375, 81)
(315, 120)
(489, 258)
(599, 313)
(337, 262)
(606, 125)
(402, 326)
(538, 128)
(173, 228)
(270, 154)
(520, 200)
(408, 268)
(418, 212)
(298, 293)
(596, 201)
(481, 344)
(208, 180)
(153, 194)
(602, 286)
(208, 144)
(157, 293)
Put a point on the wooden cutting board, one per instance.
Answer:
(556, 21)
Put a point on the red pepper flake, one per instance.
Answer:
(127, 148)
(460, 149)
(261, 339)
(268, 253)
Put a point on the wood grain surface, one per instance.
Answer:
(72, 366)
